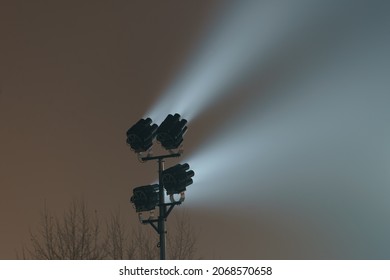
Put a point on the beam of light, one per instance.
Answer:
(243, 35)
(316, 148)
(313, 144)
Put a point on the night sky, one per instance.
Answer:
(75, 75)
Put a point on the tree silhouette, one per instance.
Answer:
(80, 234)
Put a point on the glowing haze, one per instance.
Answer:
(242, 35)
(312, 141)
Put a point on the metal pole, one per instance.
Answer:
(162, 210)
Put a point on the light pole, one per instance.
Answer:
(174, 180)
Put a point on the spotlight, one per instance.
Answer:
(171, 131)
(177, 178)
(140, 136)
(145, 198)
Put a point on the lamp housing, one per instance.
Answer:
(145, 198)
(141, 135)
(171, 131)
(175, 179)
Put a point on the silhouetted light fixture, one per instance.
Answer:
(171, 131)
(176, 178)
(140, 136)
(145, 198)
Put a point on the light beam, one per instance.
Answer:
(243, 35)
(316, 148)
(314, 142)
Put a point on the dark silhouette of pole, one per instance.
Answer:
(162, 211)
(140, 138)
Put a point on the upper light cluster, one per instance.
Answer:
(170, 133)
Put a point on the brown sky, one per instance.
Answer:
(74, 76)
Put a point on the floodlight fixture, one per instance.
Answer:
(175, 179)
(171, 131)
(140, 136)
(145, 198)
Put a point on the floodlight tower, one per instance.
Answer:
(175, 179)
